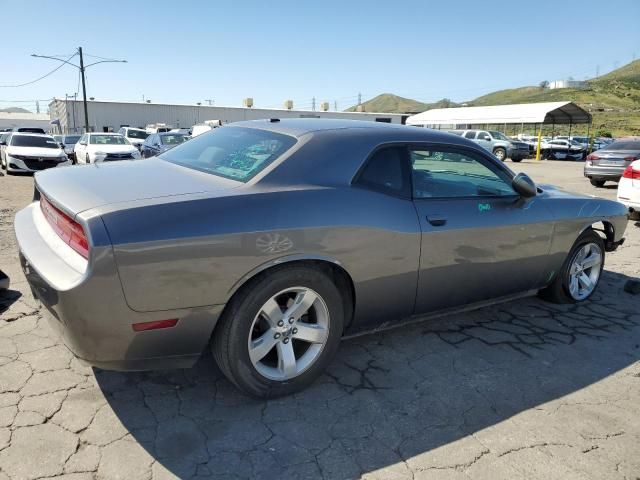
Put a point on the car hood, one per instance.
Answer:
(35, 152)
(89, 186)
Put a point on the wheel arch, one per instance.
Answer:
(328, 265)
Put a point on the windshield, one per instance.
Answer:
(232, 152)
(499, 136)
(624, 145)
(137, 134)
(71, 139)
(33, 141)
(172, 139)
(108, 140)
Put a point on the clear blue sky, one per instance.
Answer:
(191, 51)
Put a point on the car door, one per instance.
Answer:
(480, 240)
(484, 140)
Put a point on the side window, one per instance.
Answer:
(386, 171)
(470, 135)
(484, 136)
(447, 173)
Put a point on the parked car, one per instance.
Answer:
(608, 163)
(156, 143)
(29, 152)
(136, 136)
(562, 149)
(104, 147)
(29, 130)
(269, 240)
(4, 140)
(158, 128)
(68, 142)
(183, 131)
(205, 127)
(629, 189)
(498, 143)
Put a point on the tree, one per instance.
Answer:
(544, 84)
(604, 133)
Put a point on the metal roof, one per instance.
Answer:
(545, 112)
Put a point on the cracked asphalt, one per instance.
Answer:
(525, 389)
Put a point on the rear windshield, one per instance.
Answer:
(237, 153)
(33, 141)
(137, 134)
(172, 139)
(625, 145)
(30, 130)
(71, 139)
(108, 140)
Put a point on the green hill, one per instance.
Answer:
(613, 100)
(390, 103)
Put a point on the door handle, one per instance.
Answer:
(436, 220)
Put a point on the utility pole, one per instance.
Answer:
(335, 105)
(359, 98)
(209, 101)
(313, 104)
(37, 106)
(84, 92)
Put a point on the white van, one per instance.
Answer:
(136, 136)
(204, 127)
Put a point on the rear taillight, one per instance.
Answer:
(70, 231)
(593, 156)
(629, 172)
(631, 158)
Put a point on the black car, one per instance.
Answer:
(156, 143)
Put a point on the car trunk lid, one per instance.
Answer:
(620, 158)
(79, 188)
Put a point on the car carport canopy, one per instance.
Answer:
(545, 112)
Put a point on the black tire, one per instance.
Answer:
(516, 160)
(500, 153)
(3, 165)
(597, 183)
(558, 290)
(634, 215)
(87, 159)
(230, 339)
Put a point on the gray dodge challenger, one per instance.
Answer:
(268, 241)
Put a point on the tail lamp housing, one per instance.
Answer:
(70, 231)
(631, 173)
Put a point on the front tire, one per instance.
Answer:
(597, 183)
(280, 331)
(500, 153)
(580, 273)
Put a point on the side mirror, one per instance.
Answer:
(524, 186)
(61, 145)
(3, 144)
(83, 143)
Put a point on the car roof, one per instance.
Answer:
(105, 133)
(298, 127)
(30, 134)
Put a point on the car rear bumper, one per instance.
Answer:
(88, 311)
(598, 172)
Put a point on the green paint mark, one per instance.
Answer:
(484, 207)
(551, 274)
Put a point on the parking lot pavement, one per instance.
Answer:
(526, 389)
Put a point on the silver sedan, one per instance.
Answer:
(269, 241)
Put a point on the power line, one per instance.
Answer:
(40, 78)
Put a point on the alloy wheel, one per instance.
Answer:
(584, 271)
(289, 333)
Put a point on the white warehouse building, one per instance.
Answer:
(67, 116)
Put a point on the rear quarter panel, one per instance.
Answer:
(196, 252)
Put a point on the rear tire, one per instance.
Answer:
(597, 183)
(500, 153)
(560, 290)
(251, 321)
(516, 160)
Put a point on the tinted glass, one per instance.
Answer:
(483, 136)
(137, 134)
(470, 135)
(384, 171)
(624, 145)
(30, 130)
(69, 139)
(232, 152)
(443, 174)
(108, 140)
(172, 139)
(33, 141)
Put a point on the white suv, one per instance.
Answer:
(104, 147)
(135, 135)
